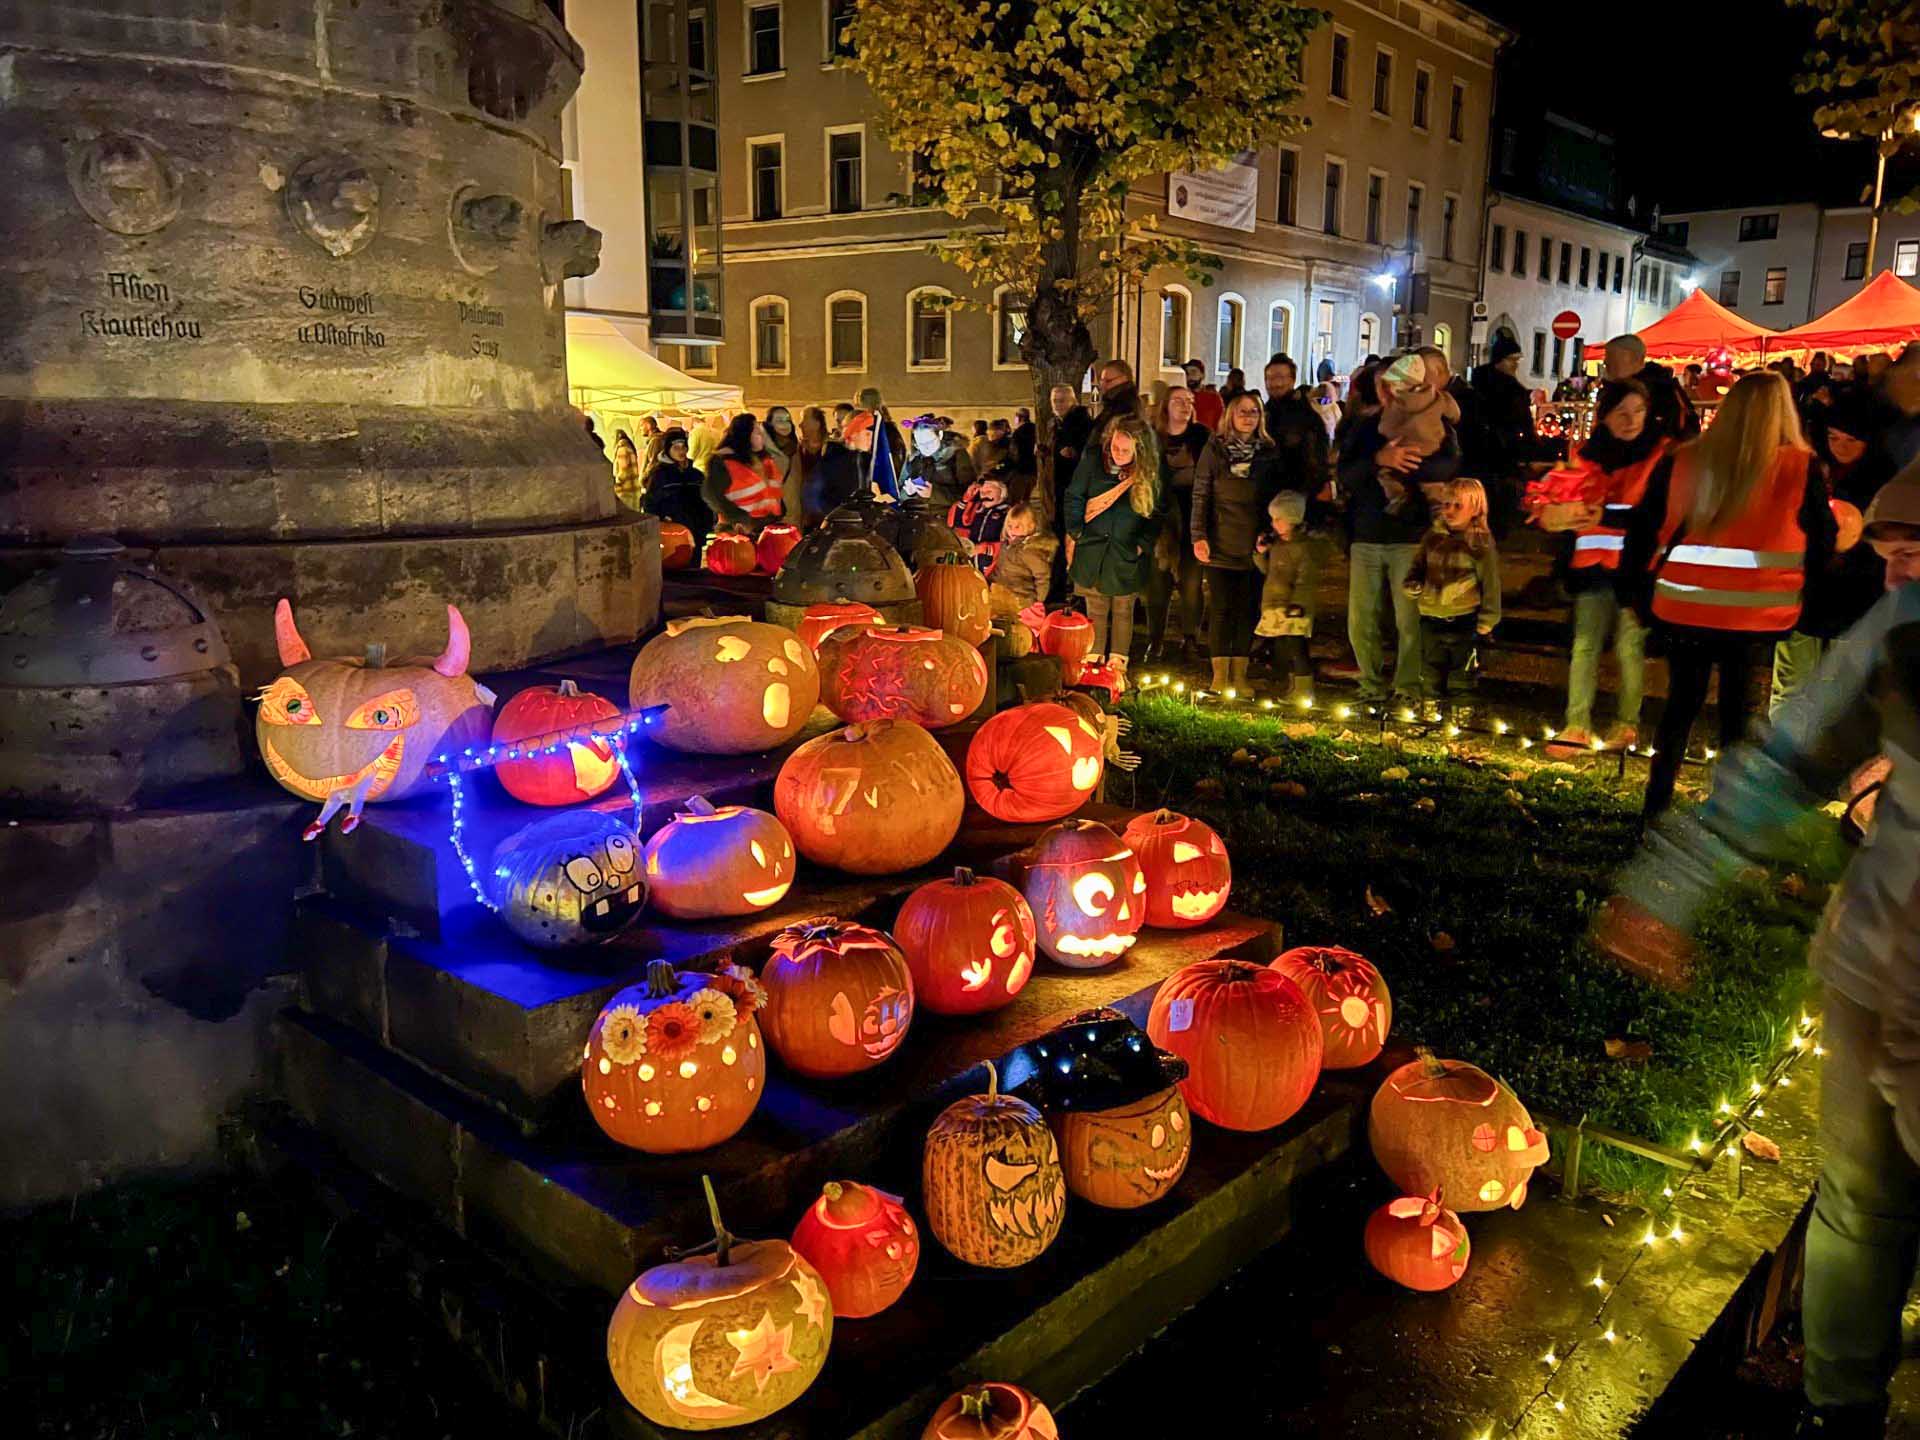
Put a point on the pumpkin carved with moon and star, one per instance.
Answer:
(839, 997)
(732, 685)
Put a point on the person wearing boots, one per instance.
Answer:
(1114, 513)
(1238, 471)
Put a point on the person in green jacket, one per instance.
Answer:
(1114, 510)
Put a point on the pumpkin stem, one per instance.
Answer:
(962, 875)
(722, 1237)
(833, 1190)
(1164, 816)
(376, 656)
(569, 690)
(993, 1081)
(976, 1404)
(1430, 1063)
(662, 979)
(699, 805)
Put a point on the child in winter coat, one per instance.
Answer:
(980, 517)
(1024, 567)
(1291, 560)
(1456, 578)
(1416, 415)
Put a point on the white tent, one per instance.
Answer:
(606, 371)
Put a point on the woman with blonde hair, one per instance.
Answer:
(1238, 474)
(1113, 516)
(1729, 528)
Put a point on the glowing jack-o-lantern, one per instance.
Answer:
(1185, 862)
(707, 861)
(568, 880)
(900, 672)
(1417, 1242)
(721, 1339)
(776, 542)
(953, 598)
(839, 997)
(992, 1410)
(970, 941)
(863, 1243)
(1034, 763)
(730, 553)
(873, 799)
(1087, 893)
(676, 546)
(347, 732)
(821, 620)
(1449, 1126)
(1350, 997)
(676, 1062)
(732, 685)
(1849, 522)
(1068, 635)
(1250, 1039)
(577, 769)
(991, 1178)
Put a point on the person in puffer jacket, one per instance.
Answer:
(1024, 568)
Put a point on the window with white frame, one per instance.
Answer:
(1337, 74)
(699, 359)
(764, 48)
(929, 329)
(846, 169)
(769, 314)
(1228, 334)
(1376, 201)
(1906, 257)
(1382, 81)
(847, 331)
(1457, 113)
(1280, 329)
(839, 29)
(767, 176)
(1449, 212)
(1176, 319)
(1009, 331)
(1287, 210)
(1422, 96)
(1369, 335)
(1322, 332)
(1443, 342)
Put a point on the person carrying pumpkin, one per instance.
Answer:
(675, 489)
(1113, 517)
(745, 485)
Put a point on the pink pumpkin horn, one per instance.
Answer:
(293, 650)
(453, 660)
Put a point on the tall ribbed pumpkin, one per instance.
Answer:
(970, 941)
(991, 1177)
(1251, 1041)
(953, 598)
(839, 997)
(873, 799)
(1350, 997)
(1034, 763)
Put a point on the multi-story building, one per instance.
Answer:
(831, 284)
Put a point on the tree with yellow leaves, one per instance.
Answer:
(1030, 121)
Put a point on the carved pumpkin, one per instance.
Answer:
(1350, 997)
(1417, 1242)
(733, 685)
(776, 542)
(1087, 893)
(900, 672)
(991, 1177)
(1250, 1039)
(872, 799)
(1449, 1126)
(819, 621)
(730, 553)
(1185, 862)
(863, 1243)
(724, 1339)
(1850, 523)
(992, 1410)
(1034, 763)
(953, 598)
(1100, 675)
(676, 546)
(1069, 635)
(355, 730)
(969, 941)
(568, 880)
(839, 997)
(676, 1062)
(579, 769)
(727, 861)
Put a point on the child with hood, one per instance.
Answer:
(674, 489)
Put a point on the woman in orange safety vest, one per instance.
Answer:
(745, 486)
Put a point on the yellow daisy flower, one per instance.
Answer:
(716, 1014)
(623, 1035)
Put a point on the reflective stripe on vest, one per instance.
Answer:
(754, 491)
(1727, 557)
(1599, 547)
(1749, 573)
(1598, 540)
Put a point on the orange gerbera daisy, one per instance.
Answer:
(672, 1031)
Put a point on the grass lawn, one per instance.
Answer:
(1483, 881)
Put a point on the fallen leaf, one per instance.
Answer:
(1242, 756)
(1441, 941)
(1393, 740)
(1629, 1050)
(1287, 790)
(1514, 797)
(1348, 758)
(1365, 797)
(1274, 762)
(1517, 776)
(1209, 788)
(1395, 772)
(1794, 887)
(1760, 1147)
(1376, 904)
(1347, 737)
(1607, 1220)
(1300, 730)
(1425, 805)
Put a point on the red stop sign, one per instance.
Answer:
(1566, 325)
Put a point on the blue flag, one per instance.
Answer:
(883, 476)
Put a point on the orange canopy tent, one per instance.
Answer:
(1694, 329)
(1883, 314)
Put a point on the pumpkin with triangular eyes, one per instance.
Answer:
(1087, 893)
(1348, 994)
(1417, 1242)
(732, 685)
(1034, 762)
(725, 860)
(1185, 862)
(991, 1178)
(1449, 1126)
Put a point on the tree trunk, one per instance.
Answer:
(1058, 347)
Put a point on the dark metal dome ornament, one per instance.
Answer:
(845, 557)
(918, 531)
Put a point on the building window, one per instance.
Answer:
(1775, 289)
(1574, 348)
(929, 330)
(1449, 208)
(697, 46)
(767, 169)
(1369, 335)
(1175, 315)
(1330, 205)
(846, 175)
(1443, 342)
(1422, 96)
(769, 335)
(1674, 232)
(1566, 262)
(1539, 352)
(1337, 76)
(839, 28)
(1289, 206)
(1322, 332)
(1232, 324)
(847, 331)
(1415, 194)
(1457, 113)
(1906, 258)
(1559, 355)
(1280, 329)
(1729, 287)
(1545, 269)
(1856, 260)
(1376, 195)
(1497, 250)
(1382, 82)
(1666, 281)
(1759, 227)
(1520, 254)
(1619, 273)
(699, 359)
(1586, 265)
(763, 40)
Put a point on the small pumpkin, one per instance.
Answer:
(1349, 995)
(953, 598)
(730, 553)
(1250, 1039)
(1015, 639)
(839, 997)
(863, 1243)
(732, 685)
(1034, 763)
(724, 1339)
(579, 769)
(821, 620)
(676, 1063)
(873, 799)
(776, 542)
(1068, 635)
(991, 1177)
(676, 546)
(568, 880)
(969, 941)
(1849, 522)
(1449, 1126)
(1100, 675)
(1417, 1242)
(992, 1410)
(900, 672)
(708, 861)
(1185, 862)
(1087, 893)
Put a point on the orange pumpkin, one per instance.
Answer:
(953, 598)
(727, 861)
(730, 553)
(776, 542)
(1417, 1242)
(1068, 635)
(1350, 997)
(991, 1178)
(1126, 1155)
(969, 940)
(1034, 763)
(1849, 522)
(1251, 1042)
(732, 685)
(1185, 862)
(1087, 893)
(992, 1410)
(839, 997)
(1449, 1126)
(578, 769)
(873, 799)
(900, 672)
(675, 1063)
(676, 546)
(863, 1243)
(819, 621)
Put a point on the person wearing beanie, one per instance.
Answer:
(1503, 411)
(674, 489)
